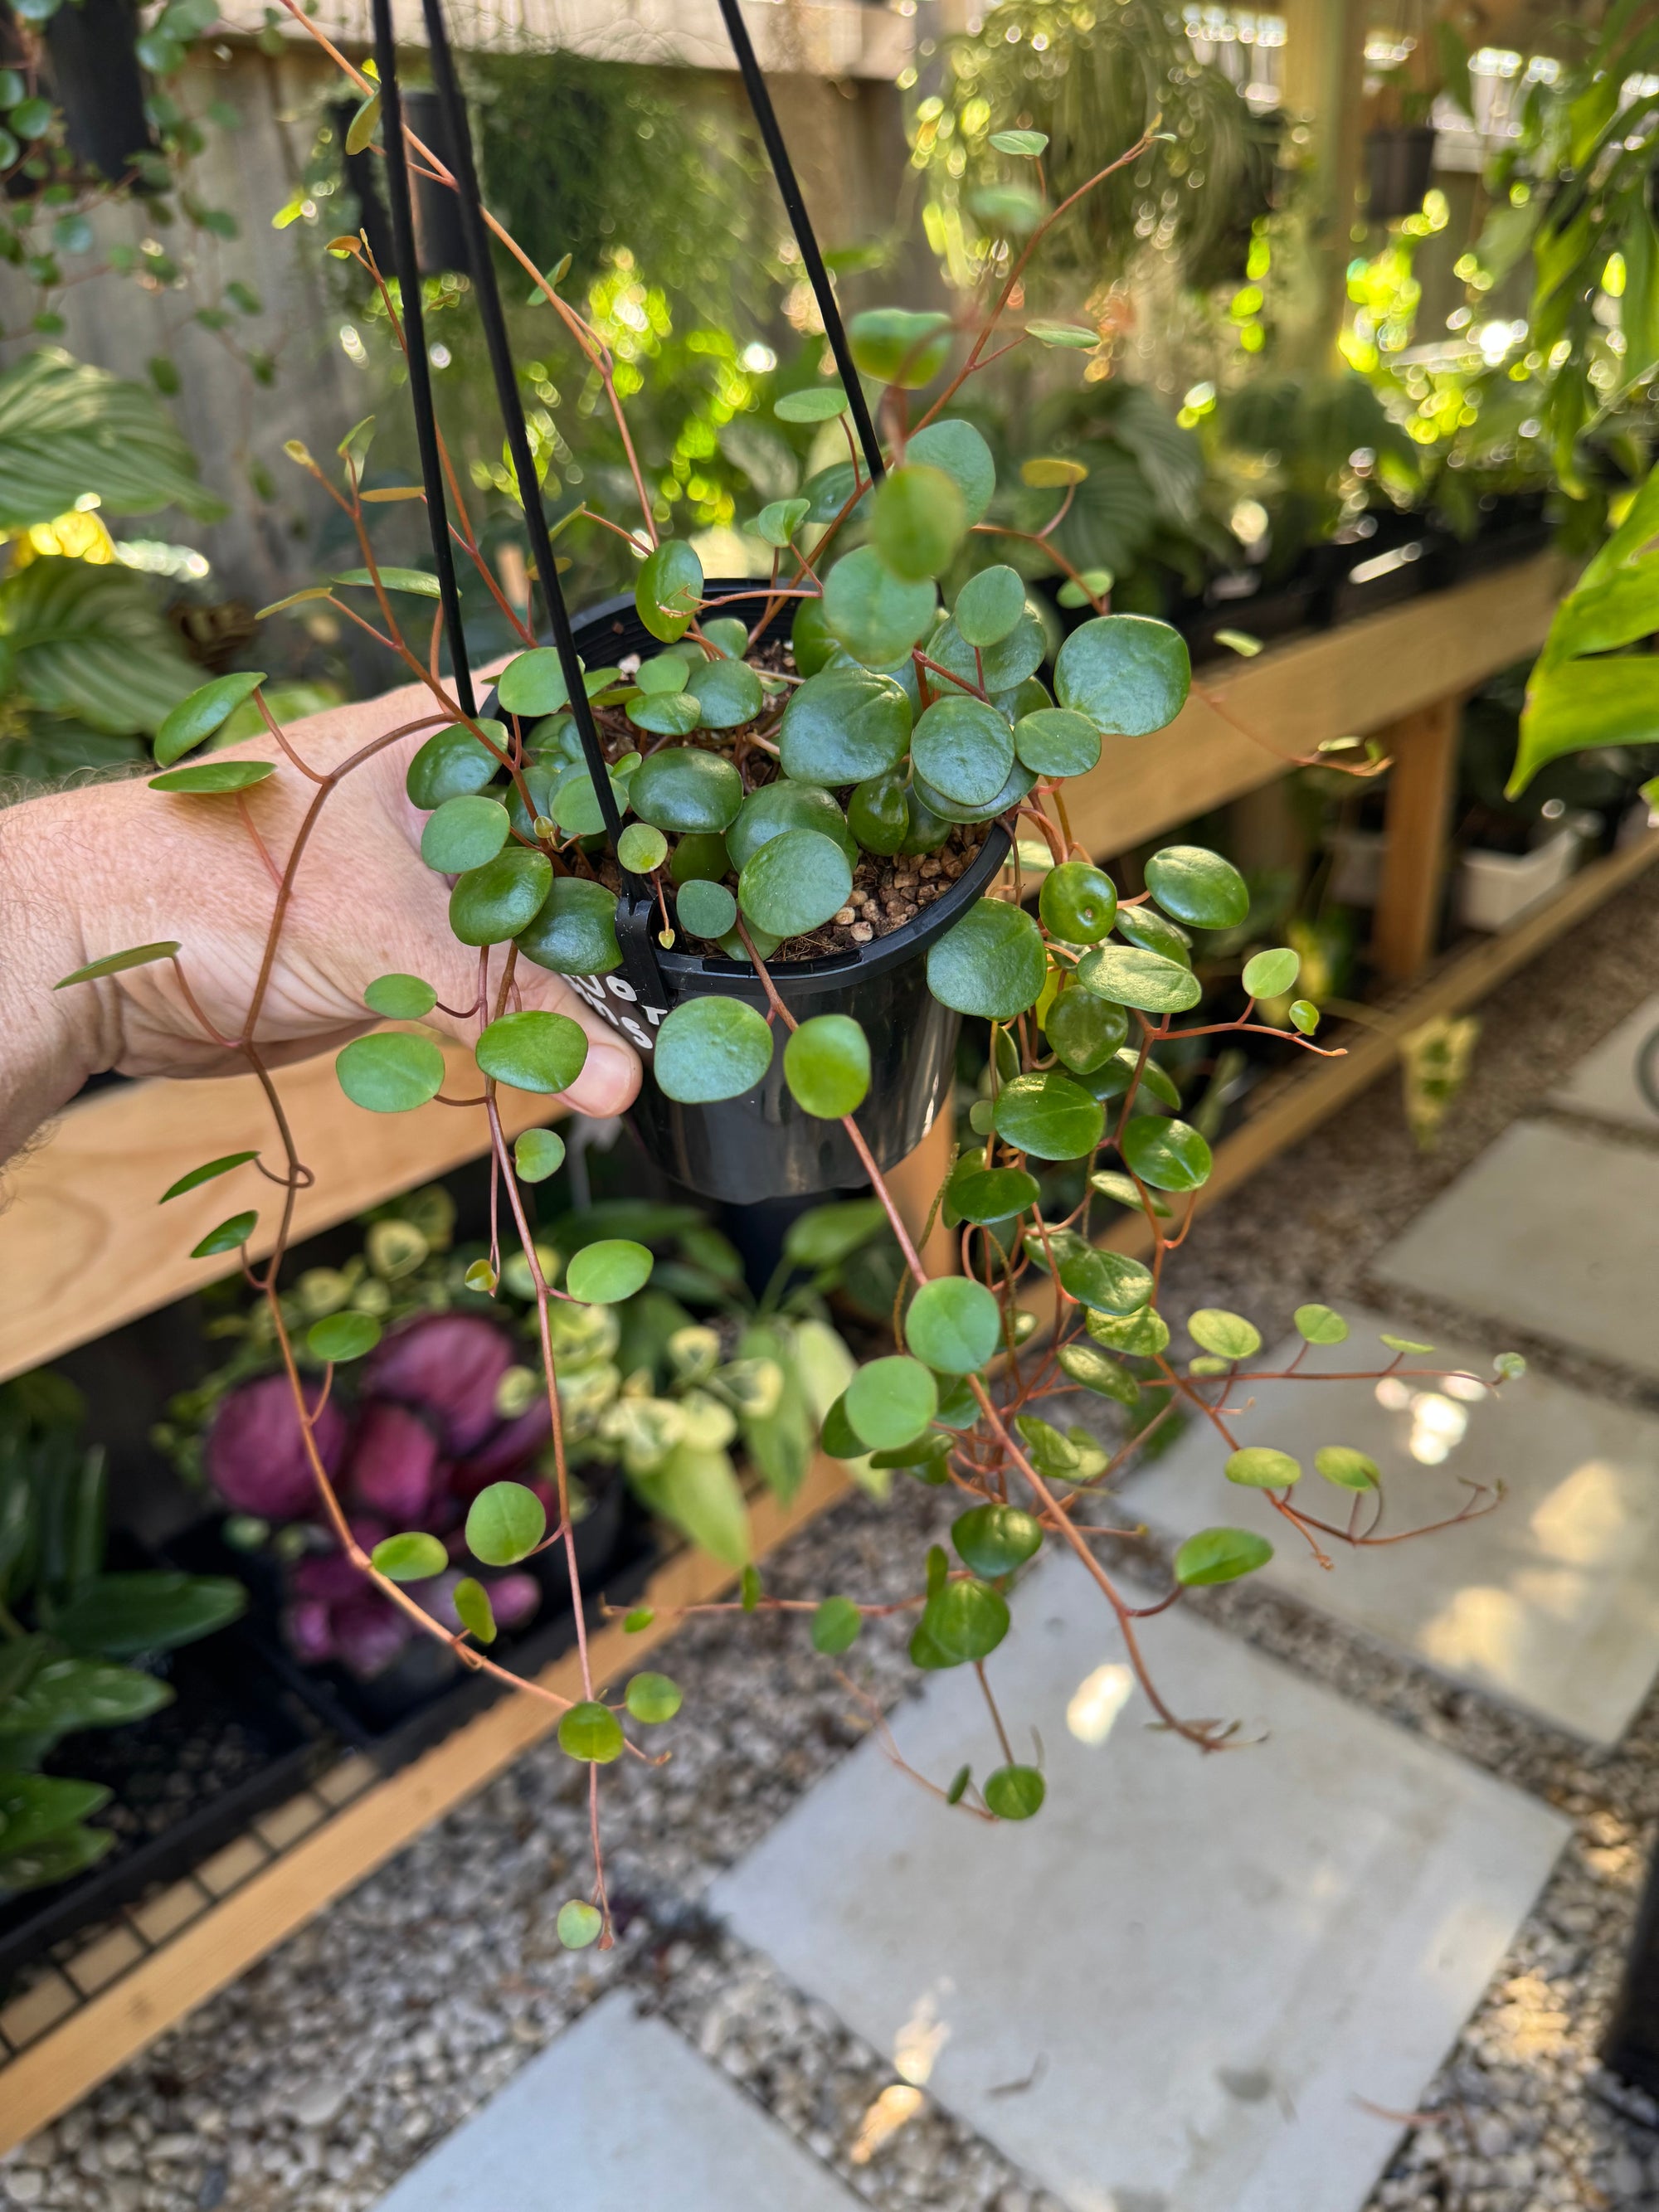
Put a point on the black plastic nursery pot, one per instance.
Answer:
(185, 1782)
(426, 1693)
(96, 81)
(763, 1145)
(1399, 169)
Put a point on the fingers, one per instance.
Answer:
(611, 1074)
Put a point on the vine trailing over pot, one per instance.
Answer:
(754, 800)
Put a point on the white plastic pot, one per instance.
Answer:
(1496, 888)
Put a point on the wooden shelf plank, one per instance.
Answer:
(221, 1943)
(86, 1247)
(1345, 682)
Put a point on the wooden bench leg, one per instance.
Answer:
(1424, 750)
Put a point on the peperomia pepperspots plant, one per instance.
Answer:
(789, 811)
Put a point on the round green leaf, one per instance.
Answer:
(889, 1401)
(1145, 927)
(682, 787)
(474, 1610)
(993, 962)
(1003, 667)
(875, 614)
(989, 605)
(1120, 1188)
(606, 1273)
(1018, 785)
(1106, 1282)
(464, 832)
(579, 1924)
(400, 997)
(228, 1237)
(954, 1325)
(1092, 1369)
(641, 847)
(491, 903)
(575, 932)
(699, 858)
(966, 1621)
(917, 520)
(1220, 1555)
(778, 521)
(1015, 1793)
(1258, 1466)
(1319, 1325)
(957, 449)
(964, 749)
(1027, 145)
(711, 1049)
(826, 1064)
(214, 775)
(533, 1051)
(413, 1557)
(669, 589)
(537, 1154)
(1270, 974)
(653, 1698)
(533, 684)
(1348, 1468)
(1129, 674)
(1131, 977)
(1009, 211)
(452, 763)
(786, 805)
(878, 814)
(705, 910)
(390, 1074)
(1084, 1030)
(814, 403)
(1054, 741)
(343, 1336)
(1077, 901)
(1167, 1154)
(207, 709)
(1198, 887)
(835, 1625)
(1049, 1116)
(895, 345)
(989, 1195)
(1229, 1335)
(591, 1732)
(1141, 1335)
(504, 1524)
(727, 694)
(664, 713)
(1305, 1016)
(843, 724)
(994, 1539)
(1405, 1343)
(794, 883)
(1509, 1366)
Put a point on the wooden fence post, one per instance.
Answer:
(1423, 748)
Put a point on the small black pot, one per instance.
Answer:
(763, 1145)
(425, 1692)
(95, 80)
(1399, 167)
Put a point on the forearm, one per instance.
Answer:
(50, 1041)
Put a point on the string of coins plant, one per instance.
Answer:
(754, 789)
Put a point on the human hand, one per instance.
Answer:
(88, 872)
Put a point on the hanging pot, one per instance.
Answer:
(1399, 168)
(95, 80)
(763, 1145)
(439, 242)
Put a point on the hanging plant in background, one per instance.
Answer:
(762, 800)
(1081, 78)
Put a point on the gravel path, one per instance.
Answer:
(326, 2072)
